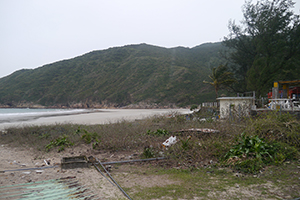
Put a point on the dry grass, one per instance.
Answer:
(193, 149)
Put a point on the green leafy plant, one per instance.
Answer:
(95, 144)
(250, 146)
(88, 137)
(276, 126)
(185, 143)
(162, 132)
(148, 152)
(250, 154)
(60, 142)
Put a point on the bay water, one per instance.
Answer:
(8, 115)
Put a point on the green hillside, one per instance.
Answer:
(117, 76)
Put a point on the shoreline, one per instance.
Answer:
(89, 117)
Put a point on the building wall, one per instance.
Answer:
(235, 106)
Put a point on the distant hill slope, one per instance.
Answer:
(117, 76)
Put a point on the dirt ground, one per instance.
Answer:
(12, 158)
(16, 158)
(127, 175)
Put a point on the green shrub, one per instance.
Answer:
(274, 126)
(159, 132)
(252, 165)
(148, 152)
(283, 152)
(89, 137)
(252, 153)
(60, 142)
(250, 146)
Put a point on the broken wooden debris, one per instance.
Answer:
(74, 162)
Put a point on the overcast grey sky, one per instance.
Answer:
(38, 32)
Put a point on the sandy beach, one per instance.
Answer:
(18, 158)
(100, 116)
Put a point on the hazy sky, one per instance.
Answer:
(38, 32)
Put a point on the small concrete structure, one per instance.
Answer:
(236, 106)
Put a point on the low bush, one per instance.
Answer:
(270, 139)
(250, 146)
(89, 137)
(276, 126)
(148, 152)
(252, 153)
(60, 142)
(159, 132)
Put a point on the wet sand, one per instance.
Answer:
(101, 116)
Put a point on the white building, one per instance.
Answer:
(236, 106)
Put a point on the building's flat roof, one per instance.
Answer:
(235, 98)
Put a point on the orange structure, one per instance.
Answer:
(285, 89)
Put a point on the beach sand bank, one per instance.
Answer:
(101, 116)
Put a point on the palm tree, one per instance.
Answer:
(220, 78)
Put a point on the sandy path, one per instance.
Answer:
(18, 158)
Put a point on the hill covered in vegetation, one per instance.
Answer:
(117, 76)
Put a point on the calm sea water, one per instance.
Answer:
(4, 111)
(24, 114)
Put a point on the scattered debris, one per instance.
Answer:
(201, 130)
(137, 160)
(170, 141)
(108, 168)
(233, 160)
(112, 179)
(39, 171)
(74, 162)
(47, 162)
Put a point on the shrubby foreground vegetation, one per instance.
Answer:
(254, 146)
(247, 145)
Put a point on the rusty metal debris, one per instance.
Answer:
(63, 188)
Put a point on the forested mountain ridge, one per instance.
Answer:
(117, 76)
